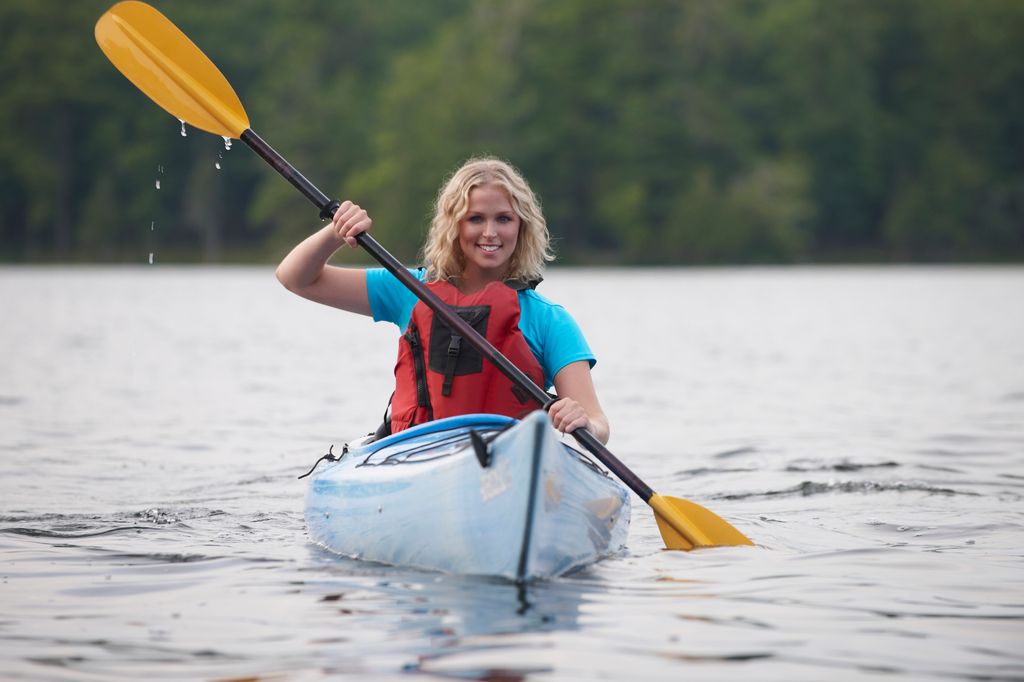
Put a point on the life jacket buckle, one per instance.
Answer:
(454, 348)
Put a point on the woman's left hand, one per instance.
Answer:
(567, 415)
(578, 406)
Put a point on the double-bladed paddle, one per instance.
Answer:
(168, 67)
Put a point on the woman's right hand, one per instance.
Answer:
(348, 221)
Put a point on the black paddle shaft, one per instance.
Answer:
(458, 325)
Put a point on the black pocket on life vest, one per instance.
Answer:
(450, 354)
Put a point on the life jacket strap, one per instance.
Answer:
(422, 391)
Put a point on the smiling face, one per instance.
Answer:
(488, 233)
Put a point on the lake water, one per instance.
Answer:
(865, 426)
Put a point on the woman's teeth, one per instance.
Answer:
(490, 248)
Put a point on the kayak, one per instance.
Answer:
(475, 494)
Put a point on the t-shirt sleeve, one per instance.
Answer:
(390, 300)
(553, 336)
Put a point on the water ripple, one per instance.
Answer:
(842, 466)
(44, 533)
(809, 488)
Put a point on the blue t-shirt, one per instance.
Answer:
(552, 335)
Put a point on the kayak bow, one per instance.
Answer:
(422, 498)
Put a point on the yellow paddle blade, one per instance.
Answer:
(162, 62)
(686, 525)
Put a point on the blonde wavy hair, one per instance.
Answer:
(442, 254)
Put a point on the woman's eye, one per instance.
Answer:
(475, 219)
(504, 219)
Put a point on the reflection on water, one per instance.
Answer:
(864, 426)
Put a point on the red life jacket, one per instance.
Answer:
(439, 374)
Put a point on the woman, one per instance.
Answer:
(486, 250)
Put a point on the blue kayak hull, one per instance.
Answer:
(422, 498)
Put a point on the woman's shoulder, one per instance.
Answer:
(554, 332)
(537, 308)
(390, 300)
(531, 298)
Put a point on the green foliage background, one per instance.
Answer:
(655, 131)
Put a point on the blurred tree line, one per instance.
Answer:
(655, 131)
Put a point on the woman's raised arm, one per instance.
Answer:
(304, 270)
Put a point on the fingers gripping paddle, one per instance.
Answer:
(168, 67)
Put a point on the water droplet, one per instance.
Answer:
(216, 165)
(183, 133)
(158, 184)
(152, 225)
(150, 257)
(227, 142)
(160, 169)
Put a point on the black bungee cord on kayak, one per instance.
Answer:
(477, 440)
(330, 457)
